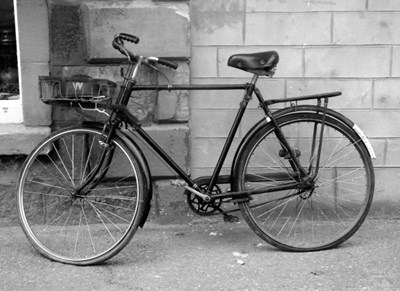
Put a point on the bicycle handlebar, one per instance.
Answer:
(118, 44)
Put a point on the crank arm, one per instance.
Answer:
(205, 197)
(180, 183)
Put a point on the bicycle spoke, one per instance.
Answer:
(48, 185)
(102, 221)
(111, 197)
(46, 194)
(89, 231)
(111, 213)
(52, 174)
(63, 164)
(101, 213)
(114, 206)
(294, 222)
(83, 178)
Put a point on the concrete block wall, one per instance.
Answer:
(347, 45)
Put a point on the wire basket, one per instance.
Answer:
(76, 91)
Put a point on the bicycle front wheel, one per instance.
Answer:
(80, 227)
(314, 219)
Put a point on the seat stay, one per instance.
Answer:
(294, 161)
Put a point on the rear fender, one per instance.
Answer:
(332, 113)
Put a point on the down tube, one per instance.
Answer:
(163, 155)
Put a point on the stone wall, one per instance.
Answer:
(81, 33)
(347, 45)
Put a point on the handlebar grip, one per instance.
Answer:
(169, 64)
(118, 43)
(129, 37)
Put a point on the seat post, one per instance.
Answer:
(254, 79)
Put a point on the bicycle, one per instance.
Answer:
(302, 176)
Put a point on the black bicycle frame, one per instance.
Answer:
(248, 87)
(123, 114)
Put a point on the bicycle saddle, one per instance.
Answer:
(262, 63)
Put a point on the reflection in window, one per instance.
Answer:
(9, 88)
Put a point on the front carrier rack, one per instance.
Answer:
(76, 91)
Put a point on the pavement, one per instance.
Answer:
(212, 255)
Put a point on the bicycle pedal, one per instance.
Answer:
(231, 218)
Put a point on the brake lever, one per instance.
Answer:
(148, 63)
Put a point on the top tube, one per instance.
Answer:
(191, 87)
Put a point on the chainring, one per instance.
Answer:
(201, 207)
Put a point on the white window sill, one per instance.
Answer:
(11, 110)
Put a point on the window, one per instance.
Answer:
(10, 103)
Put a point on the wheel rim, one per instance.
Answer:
(77, 227)
(318, 218)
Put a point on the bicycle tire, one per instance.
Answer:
(317, 219)
(79, 228)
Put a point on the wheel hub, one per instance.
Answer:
(307, 188)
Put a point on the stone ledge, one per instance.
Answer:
(19, 139)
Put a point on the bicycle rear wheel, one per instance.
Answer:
(319, 218)
(86, 227)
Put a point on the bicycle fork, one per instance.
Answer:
(102, 165)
